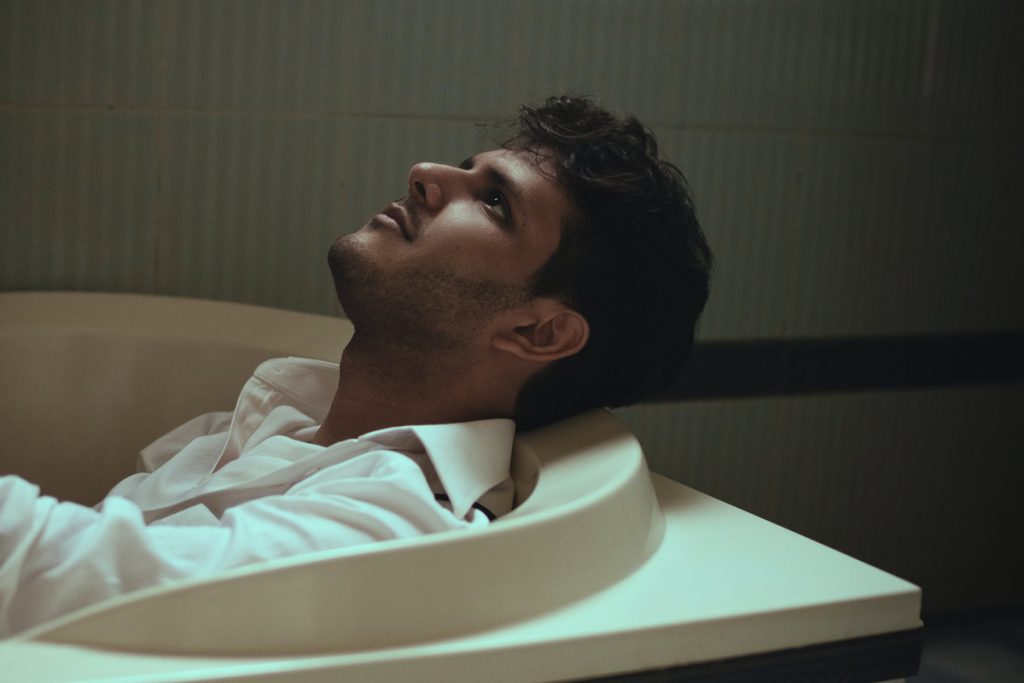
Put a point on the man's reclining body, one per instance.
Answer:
(562, 272)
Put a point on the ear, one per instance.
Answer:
(545, 331)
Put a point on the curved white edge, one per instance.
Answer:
(335, 601)
(683, 606)
(591, 520)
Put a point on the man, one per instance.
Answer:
(562, 272)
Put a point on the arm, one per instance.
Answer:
(57, 557)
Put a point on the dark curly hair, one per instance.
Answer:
(632, 259)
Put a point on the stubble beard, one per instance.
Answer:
(422, 309)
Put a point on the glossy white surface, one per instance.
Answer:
(722, 583)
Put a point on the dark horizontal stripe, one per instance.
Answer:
(857, 660)
(799, 366)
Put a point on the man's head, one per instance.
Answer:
(434, 269)
(571, 255)
(632, 260)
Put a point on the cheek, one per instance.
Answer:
(465, 243)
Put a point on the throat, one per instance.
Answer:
(391, 387)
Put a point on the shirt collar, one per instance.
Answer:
(301, 383)
(470, 458)
(306, 382)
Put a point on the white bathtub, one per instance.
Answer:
(604, 569)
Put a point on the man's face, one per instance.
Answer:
(432, 268)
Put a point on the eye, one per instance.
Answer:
(496, 201)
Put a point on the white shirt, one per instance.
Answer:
(228, 489)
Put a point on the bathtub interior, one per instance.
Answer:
(594, 573)
(90, 379)
(78, 368)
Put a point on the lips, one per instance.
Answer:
(398, 215)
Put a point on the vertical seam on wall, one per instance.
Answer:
(161, 141)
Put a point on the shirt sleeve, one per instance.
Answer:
(56, 557)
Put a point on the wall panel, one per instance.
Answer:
(67, 219)
(80, 53)
(912, 481)
(820, 235)
(246, 199)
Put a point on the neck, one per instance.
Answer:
(385, 386)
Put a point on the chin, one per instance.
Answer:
(339, 260)
(353, 272)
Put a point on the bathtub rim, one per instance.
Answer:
(593, 518)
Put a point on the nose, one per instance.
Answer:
(433, 184)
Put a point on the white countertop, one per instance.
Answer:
(723, 583)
